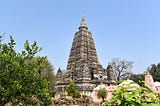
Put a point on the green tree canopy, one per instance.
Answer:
(47, 73)
(138, 78)
(73, 91)
(19, 81)
(155, 71)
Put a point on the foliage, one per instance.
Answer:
(84, 96)
(133, 96)
(52, 94)
(73, 91)
(102, 93)
(155, 71)
(121, 68)
(105, 103)
(139, 78)
(48, 74)
(19, 81)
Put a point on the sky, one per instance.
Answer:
(125, 29)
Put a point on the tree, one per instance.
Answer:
(139, 78)
(47, 73)
(155, 71)
(102, 93)
(121, 68)
(19, 81)
(73, 91)
(84, 97)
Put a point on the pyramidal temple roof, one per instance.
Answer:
(83, 51)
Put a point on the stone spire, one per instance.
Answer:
(83, 25)
(83, 61)
(110, 73)
(83, 67)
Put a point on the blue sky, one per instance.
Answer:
(125, 29)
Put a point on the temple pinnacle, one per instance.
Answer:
(83, 25)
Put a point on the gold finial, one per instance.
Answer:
(83, 24)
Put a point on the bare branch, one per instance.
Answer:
(122, 68)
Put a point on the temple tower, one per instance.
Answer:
(83, 67)
(83, 61)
